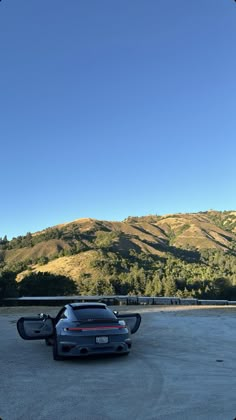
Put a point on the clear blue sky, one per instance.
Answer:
(115, 108)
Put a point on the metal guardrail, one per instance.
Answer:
(115, 300)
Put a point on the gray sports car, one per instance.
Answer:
(82, 329)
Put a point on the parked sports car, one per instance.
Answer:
(82, 329)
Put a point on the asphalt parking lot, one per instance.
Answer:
(181, 367)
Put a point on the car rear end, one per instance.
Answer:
(95, 331)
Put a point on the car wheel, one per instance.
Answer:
(55, 350)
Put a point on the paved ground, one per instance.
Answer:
(182, 367)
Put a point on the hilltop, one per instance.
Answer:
(192, 246)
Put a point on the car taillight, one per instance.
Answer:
(122, 322)
(98, 328)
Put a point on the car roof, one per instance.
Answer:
(85, 305)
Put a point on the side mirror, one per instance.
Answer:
(115, 312)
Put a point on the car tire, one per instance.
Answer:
(55, 351)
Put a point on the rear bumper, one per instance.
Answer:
(70, 348)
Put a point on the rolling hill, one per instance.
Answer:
(194, 246)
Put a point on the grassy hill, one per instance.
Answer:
(192, 246)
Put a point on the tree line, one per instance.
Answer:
(36, 284)
(135, 281)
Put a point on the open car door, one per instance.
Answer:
(132, 320)
(35, 328)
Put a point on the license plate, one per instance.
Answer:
(101, 340)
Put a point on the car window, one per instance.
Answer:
(94, 313)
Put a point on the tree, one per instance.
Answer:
(8, 285)
(46, 284)
(120, 284)
(170, 287)
(43, 260)
(4, 242)
(157, 285)
(221, 288)
(105, 240)
(97, 286)
(149, 288)
(137, 280)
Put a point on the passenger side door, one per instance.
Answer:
(132, 320)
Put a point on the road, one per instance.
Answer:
(181, 367)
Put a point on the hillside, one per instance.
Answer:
(192, 246)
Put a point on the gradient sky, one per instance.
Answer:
(115, 108)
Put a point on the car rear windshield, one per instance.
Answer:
(90, 314)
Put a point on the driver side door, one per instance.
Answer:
(35, 328)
